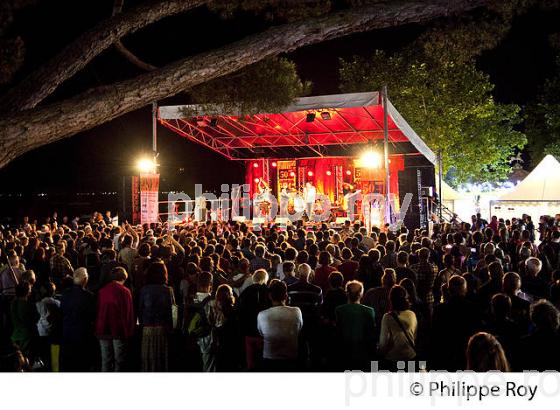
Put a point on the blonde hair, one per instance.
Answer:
(485, 353)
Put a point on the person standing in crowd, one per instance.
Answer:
(155, 307)
(355, 328)
(280, 326)
(308, 298)
(221, 317)
(426, 273)
(539, 350)
(197, 322)
(485, 353)
(114, 324)
(49, 326)
(454, 321)
(397, 340)
(253, 300)
(24, 319)
(78, 317)
(60, 265)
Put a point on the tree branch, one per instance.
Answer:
(131, 57)
(27, 130)
(42, 82)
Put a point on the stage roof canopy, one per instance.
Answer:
(329, 125)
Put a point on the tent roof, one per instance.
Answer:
(542, 184)
(449, 194)
(341, 121)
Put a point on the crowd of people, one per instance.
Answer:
(219, 296)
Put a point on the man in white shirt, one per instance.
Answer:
(309, 195)
(280, 326)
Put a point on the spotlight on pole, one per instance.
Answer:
(370, 159)
(310, 117)
(256, 164)
(146, 166)
(274, 164)
(348, 172)
(309, 173)
(329, 173)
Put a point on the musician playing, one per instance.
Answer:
(263, 199)
(309, 196)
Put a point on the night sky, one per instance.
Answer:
(97, 159)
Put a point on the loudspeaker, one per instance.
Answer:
(427, 191)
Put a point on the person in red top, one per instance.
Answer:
(114, 324)
(322, 273)
(348, 267)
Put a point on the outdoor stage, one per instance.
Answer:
(342, 144)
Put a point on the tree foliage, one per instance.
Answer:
(543, 118)
(436, 85)
(266, 86)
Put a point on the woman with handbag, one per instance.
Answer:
(398, 330)
(156, 313)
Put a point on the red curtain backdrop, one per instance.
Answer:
(320, 169)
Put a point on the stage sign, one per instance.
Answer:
(149, 193)
(286, 174)
(135, 188)
(420, 206)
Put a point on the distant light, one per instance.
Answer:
(309, 173)
(310, 117)
(325, 115)
(329, 173)
(370, 159)
(348, 172)
(146, 165)
(256, 164)
(274, 164)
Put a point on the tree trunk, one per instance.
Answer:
(30, 129)
(42, 82)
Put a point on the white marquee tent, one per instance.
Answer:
(538, 194)
(457, 202)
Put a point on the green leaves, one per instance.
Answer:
(267, 86)
(543, 120)
(448, 102)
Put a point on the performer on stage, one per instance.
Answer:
(284, 199)
(263, 202)
(200, 209)
(309, 196)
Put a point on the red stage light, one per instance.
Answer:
(329, 173)
(256, 180)
(348, 172)
(274, 164)
(309, 173)
(292, 174)
(256, 164)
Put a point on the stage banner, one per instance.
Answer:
(149, 193)
(135, 188)
(286, 175)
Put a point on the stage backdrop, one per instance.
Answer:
(325, 173)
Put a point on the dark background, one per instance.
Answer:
(95, 161)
